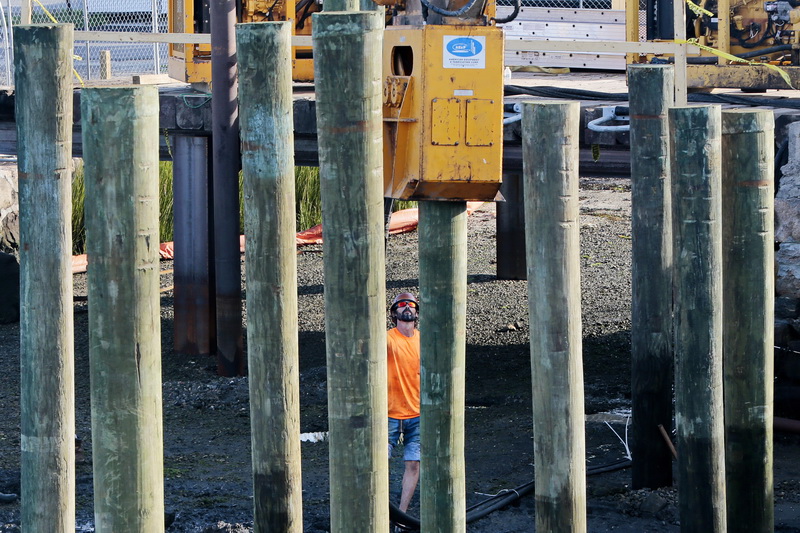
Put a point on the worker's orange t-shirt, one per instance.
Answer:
(403, 374)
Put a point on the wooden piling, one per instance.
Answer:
(347, 70)
(748, 329)
(265, 85)
(696, 214)
(43, 70)
(443, 291)
(550, 168)
(651, 94)
(124, 311)
(352, 5)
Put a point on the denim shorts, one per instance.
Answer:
(409, 429)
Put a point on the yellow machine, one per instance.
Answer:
(443, 109)
(191, 63)
(443, 89)
(758, 31)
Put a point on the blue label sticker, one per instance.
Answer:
(464, 47)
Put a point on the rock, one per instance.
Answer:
(787, 364)
(9, 289)
(783, 332)
(786, 307)
(653, 504)
(9, 208)
(787, 219)
(787, 282)
(224, 527)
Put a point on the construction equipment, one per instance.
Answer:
(191, 63)
(759, 32)
(443, 88)
(443, 102)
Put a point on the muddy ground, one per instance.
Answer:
(206, 418)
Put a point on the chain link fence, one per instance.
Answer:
(150, 16)
(147, 16)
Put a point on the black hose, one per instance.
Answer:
(498, 501)
(512, 16)
(445, 13)
(578, 94)
(706, 60)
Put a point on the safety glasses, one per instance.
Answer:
(409, 303)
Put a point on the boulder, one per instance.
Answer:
(9, 208)
(787, 258)
(9, 289)
(787, 219)
(787, 308)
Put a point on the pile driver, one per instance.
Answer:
(757, 32)
(443, 87)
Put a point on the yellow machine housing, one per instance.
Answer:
(443, 112)
(761, 31)
(191, 63)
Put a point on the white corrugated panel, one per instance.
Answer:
(553, 24)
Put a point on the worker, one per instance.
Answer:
(403, 384)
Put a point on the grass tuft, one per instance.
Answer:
(307, 191)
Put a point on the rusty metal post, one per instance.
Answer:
(195, 325)
(511, 229)
(226, 162)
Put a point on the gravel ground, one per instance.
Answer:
(206, 418)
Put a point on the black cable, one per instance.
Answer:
(512, 16)
(498, 501)
(579, 94)
(444, 12)
(746, 55)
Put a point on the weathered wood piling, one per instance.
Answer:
(351, 175)
(124, 306)
(550, 168)
(651, 95)
(43, 70)
(697, 249)
(265, 85)
(443, 290)
(748, 310)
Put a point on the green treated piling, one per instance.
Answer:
(266, 129)
(120, 147)
(748, 310)
(697, 233)
(43, 70)
(651, 94)
(550, 169)
(443, 289)
(347, 70)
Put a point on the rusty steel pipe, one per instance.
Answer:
(226, 162)
(195, 323)
(511, 263)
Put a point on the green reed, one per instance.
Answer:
(307, 190)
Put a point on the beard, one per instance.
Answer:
(406, 316)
